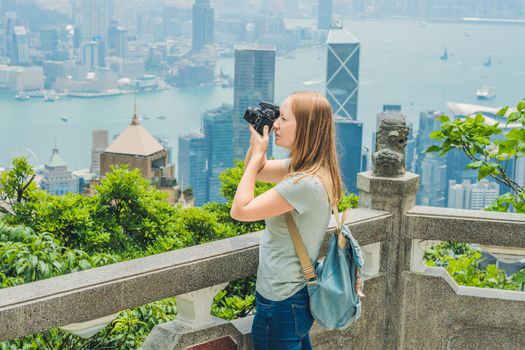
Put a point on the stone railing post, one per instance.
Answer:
(195, 328)
(389, 187)
(397, 196)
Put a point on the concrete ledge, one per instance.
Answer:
(87, 295)
(435, 317)
(471, 226)
(490, 293)
(95, 293)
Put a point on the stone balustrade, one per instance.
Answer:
(407, 306)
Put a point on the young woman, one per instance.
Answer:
(305, 127)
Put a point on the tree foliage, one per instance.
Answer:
(43, 236)
(490, 149)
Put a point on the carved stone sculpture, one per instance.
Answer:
(389, 158)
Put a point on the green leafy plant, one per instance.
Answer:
(463, 263)
(490, 148)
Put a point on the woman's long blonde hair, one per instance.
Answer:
(314, 150)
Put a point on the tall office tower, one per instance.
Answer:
(254, 82)
(9, 21)
(165, 141)
(94, 17)
(49, 39)
(121, 44)
(20, 48)
(324, 20)
(342, 73)
(100, 143)
(349, 139)
(93, 54)
(431, 168)
(57, 180)
(475, 196)
(112, 34)
(218, 130)
(193, 165)
(202, 24)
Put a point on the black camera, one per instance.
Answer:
(261, 116)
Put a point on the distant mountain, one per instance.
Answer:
(38, 17)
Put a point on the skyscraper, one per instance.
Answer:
(254, 82)
(202, 24)
(193, 165)
(349, 139)
(431, 168)
(121, 42)
(100, 143)
(94, 17)
(93, 54)
(324, 19)
(20, 48)
(217, 128)
(342, 73)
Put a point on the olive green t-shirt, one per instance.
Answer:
(279, 275)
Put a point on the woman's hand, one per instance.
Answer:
(258, 145)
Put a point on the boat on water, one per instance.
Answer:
(488, 62)
(161, 117)
(22, 96)
(444, 56)
(486, 92)
(64, 118)
(51, 96)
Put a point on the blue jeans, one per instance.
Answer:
(282, 325)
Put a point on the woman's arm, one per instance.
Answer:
(271, 171)
(244, 206)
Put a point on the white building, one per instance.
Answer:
(14, 78)
(472, 196)
(100, 143)
(57, 179)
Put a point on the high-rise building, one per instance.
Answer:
(193, 166)
(324, 20)
(349, 139)
(112, 34)
(342, 73)
(100, 143)
(217, 128)
(202, 24)
(9, 21)
(121, 42)
(165, 141)
(57, 179)
(431, 168)
(253, 82)
(20, 48)
(49, 39)
(94, 17)
(93, 54)
(475, 196)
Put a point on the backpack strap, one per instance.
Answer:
(300, 250)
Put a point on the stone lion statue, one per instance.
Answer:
(389, 158)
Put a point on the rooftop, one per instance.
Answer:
(341, 36)
(135, 140)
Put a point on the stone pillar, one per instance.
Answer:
(396, 195)
(195, 329)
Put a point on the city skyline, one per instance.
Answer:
(115, 57)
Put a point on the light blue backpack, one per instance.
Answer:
(334, 284)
